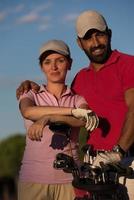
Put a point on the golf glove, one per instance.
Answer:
(107, 157)
(92, 121)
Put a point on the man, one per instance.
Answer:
(109, 90)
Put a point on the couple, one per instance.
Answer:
(108, 88)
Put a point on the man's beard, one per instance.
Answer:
(100, 59)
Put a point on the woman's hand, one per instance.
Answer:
(35, 132)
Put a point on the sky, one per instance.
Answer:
(26, 24)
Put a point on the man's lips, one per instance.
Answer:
(98, 51)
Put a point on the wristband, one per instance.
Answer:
(118, 149)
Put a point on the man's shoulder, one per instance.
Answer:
(83, 71)
(125, 56)
(80, 79)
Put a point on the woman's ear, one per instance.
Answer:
(41, 68)
(70, 63)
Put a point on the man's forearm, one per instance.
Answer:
(127, 136)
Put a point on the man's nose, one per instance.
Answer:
(95, 41)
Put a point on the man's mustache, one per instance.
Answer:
(98, 47)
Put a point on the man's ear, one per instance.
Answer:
(79, 43)
(110, 33)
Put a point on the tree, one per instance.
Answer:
(11, 151)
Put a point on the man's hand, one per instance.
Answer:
(107, 157)
(25, 86)
(91, 118)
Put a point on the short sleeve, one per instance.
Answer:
(29, 95)
(79, 100)
(127, 73)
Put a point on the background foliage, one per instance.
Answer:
(11, 151)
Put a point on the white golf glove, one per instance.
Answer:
(92, 121)
(107, 157)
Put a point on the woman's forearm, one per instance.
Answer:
(71, 121)
(34, 113)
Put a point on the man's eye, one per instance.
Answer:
(100, 34)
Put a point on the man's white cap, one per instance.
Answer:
(55, 45)
(90, 19)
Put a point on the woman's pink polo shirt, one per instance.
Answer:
(37, 163)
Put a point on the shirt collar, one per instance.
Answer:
(43, 89)
(113, 59)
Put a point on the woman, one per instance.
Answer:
(54, 102)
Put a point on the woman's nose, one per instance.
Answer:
(54, 65)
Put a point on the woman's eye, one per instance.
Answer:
(46, 62)
(61, 60)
